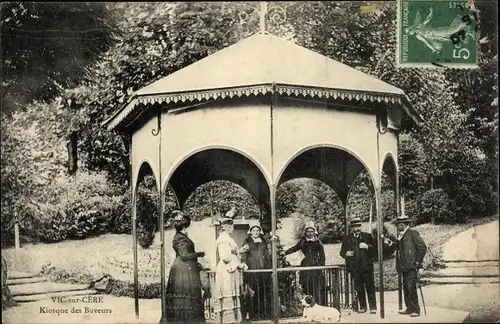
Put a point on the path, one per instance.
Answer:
(479, 243)
(121, 310)
(471, 257)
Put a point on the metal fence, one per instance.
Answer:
(329, 285)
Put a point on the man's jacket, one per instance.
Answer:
(363, 258)
(412, 250)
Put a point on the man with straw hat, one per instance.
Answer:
(412, 250)
(358, 249)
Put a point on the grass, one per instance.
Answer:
(434, 235)
(88, 259)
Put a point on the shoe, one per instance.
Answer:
(404, 312)
(414, 314)
(362, 310)
(373, 311)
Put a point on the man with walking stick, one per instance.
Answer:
(412, 249)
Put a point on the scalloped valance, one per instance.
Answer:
(284, 90)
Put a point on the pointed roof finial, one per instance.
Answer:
(263, 12)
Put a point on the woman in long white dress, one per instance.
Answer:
(228, 276)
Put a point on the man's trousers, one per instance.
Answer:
(364, 280)
(410, 290)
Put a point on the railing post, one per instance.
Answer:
(398, 213)
(134, 249)
(274, 256)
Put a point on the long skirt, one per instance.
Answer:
(227, 293)
(184, 303)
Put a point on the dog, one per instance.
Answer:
(317, 313)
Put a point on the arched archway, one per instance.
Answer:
(389, 187)
(144, 169)
(302, 199)
(217, 196)
(217, 163)
(335, 166)
(361, 201)
(390, 168)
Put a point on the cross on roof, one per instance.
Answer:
(262, 14)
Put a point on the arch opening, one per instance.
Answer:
(224, 164)
(216, 197)
(146, 192)
(336, 167)
(305, 199)
(390, 169)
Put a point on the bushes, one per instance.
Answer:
(7, 300)
(434, 206)
(75, 208)
(147, 211)
(329, 230)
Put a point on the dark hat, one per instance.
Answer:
(402, 219)
(356, 221)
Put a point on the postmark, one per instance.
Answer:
(437, 34)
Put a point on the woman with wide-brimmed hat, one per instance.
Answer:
(229, 274)
(258, 257)
(312, 281)
(184, 302)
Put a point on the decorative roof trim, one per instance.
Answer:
(324, 93)
(256, 90)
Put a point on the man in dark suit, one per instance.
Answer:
(412, 250)
(358, 249)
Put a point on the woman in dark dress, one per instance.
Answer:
(258, 257)
(312, 281)
(184, 303)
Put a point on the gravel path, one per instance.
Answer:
(480, 301)
(480, 243)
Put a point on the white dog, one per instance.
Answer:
(317, 313)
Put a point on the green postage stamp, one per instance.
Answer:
(437, 33)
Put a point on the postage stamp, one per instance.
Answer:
(437, 33)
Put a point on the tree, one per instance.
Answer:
(157, 39)
(47, 46)
(217, 197)
(448, 139)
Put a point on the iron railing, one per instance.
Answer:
(330, 285)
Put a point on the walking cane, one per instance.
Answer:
(421, 294)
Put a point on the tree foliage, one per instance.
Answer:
(47, 46)
(95, 78)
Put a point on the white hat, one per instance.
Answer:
(254, 223)
(310, 224)
(231, 213)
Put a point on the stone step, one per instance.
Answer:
(22, 281)
(37, 297)
(44, 287)
(474, 264)
(460, 280)
(20, 274)
(466, 272)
